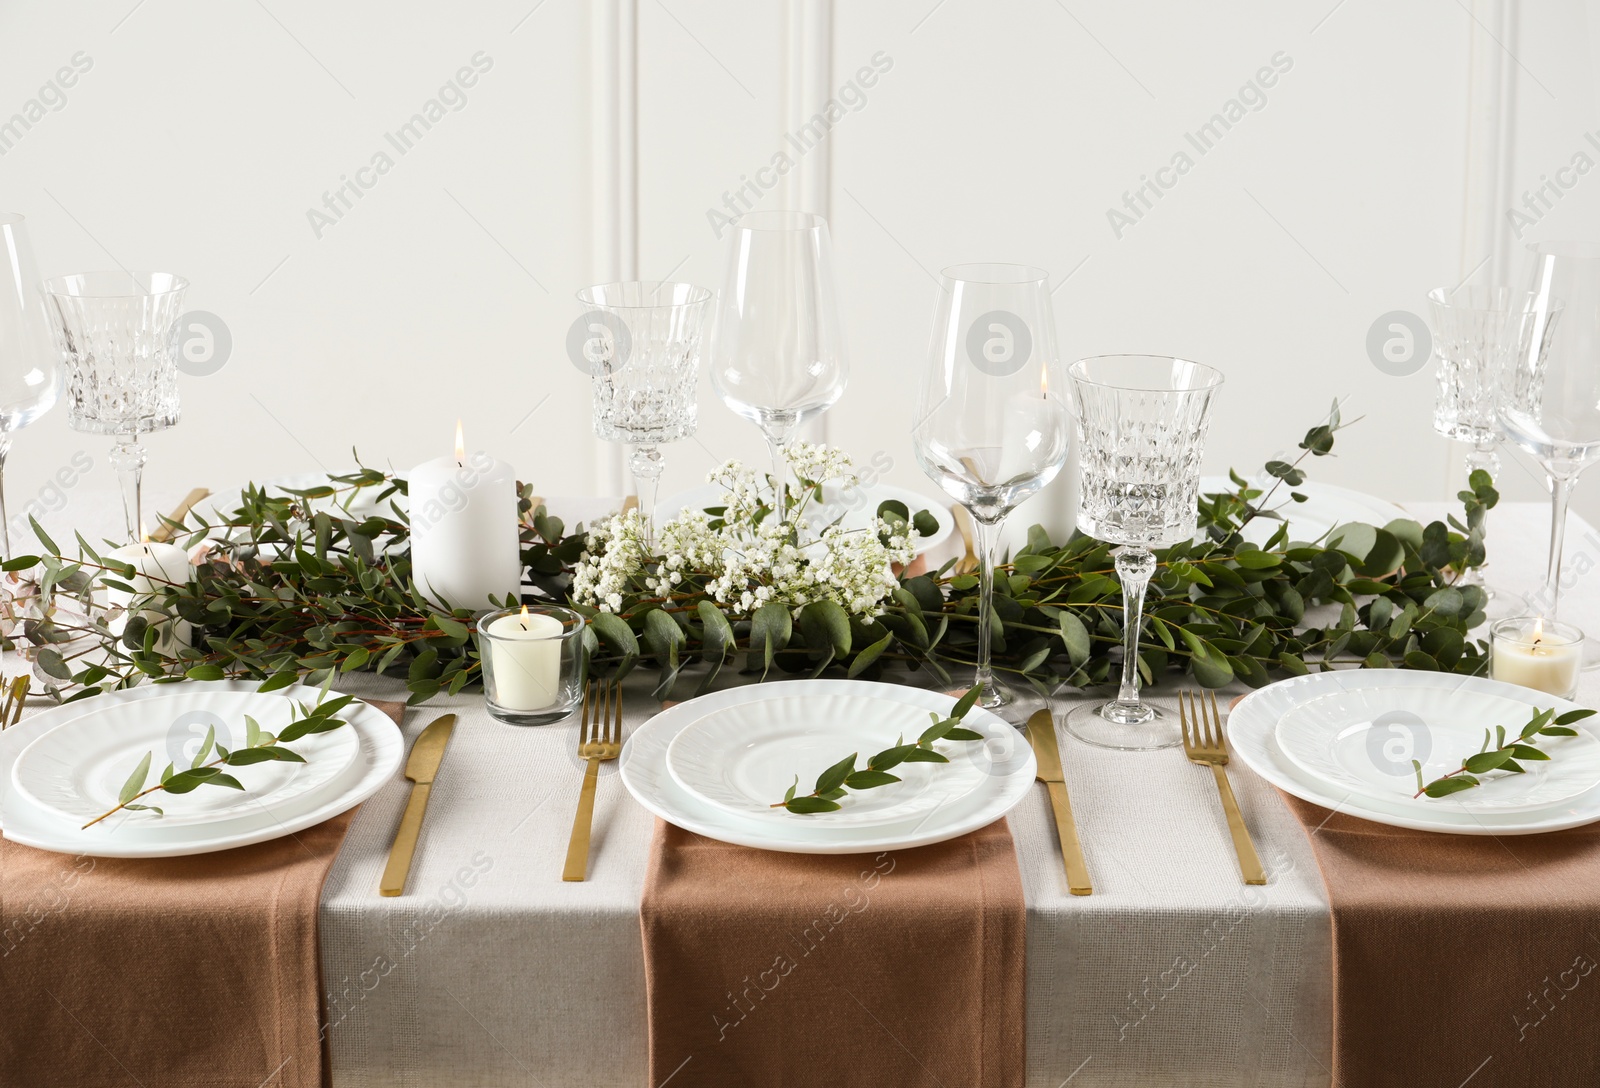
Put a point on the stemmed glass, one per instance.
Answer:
(1470, 326)
(29, 378)
(1550, 393)
(644, 363)
(117, 333)
(777, 355)
(1141, 432)
(991, 425)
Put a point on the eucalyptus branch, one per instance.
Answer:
(1505, 755)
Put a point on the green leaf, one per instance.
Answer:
(52, 663)
(866, 657)
(1487, 761)
(1528, 751)
(224, 780)
(453, 628)
(1444, 787)
(866, 780)
(770, 631)
(806, 805)
(966, 702)
(1574, 716)
(206, 672)
(205, 747)
(789, 794)
(824, 623)
(716, 638)
(1075, 637)
(135, 783)
(1416, 769)
(1558, 731)
(960, 733)
(252, 731)
(890, 757)
(924, 523)
(835, 775)
(925, 755)
(615, 632)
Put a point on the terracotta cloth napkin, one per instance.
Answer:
(778, 970)
(1461, 957)
(184, 972)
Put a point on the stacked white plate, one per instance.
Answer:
(718, 764)
(62, 768)
(1345, 740)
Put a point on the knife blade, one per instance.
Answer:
(421, 768)
(1047, 757)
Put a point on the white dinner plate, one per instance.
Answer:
(1252, 731)
(1363, 742)
(381, 752)
(77, 769)
(1003, 756)
(742, 758)
(857, 505)
(1326, 507)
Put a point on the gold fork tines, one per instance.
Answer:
(11, 705)
(599, 740)
(1204, 742)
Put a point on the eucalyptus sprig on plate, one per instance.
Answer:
(1505, 755)
(837, 780)
(260, 747)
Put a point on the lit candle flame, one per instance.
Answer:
(523, 619)
(1044, 382)
(461, 446)
(1538, 633)
(144, 535)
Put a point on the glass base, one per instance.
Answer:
(1591, 654)
(997, 696)
(1138, 728)
(545, 716)
(1503, 604)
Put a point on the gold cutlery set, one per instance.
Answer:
(1204, 742)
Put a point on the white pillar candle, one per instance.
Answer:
(464, 544)
(1525, 653)
(525, 656)
(155, 565)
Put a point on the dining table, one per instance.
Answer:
(492, 970)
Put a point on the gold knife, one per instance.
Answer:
(421, 767)
(1042, 735)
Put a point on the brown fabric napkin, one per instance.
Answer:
(1461, 958)
(184, 972)
(777, 970)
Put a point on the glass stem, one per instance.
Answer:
(779, 445)
(1560, 496)
(646, 465)
(1134, 567)
(128, 458)
(987, 536)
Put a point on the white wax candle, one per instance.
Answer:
(155, 565)
(525, 655)
(464, 546)
(1538, 659)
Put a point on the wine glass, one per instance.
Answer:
(644, 363)
(1470, 326)
(29, 378)
(991, 425)
(117, 333)
(1141, 432)
(1550, 391)
(777, 354)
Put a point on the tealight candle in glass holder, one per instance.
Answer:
(1537, 653)
(532, 663)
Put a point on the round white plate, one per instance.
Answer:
(1252, 732)
(1363, 742)
(1004, 756)
(381, 752)
(858, 505)
(741, 759)
(1326, 507)
(77, 769)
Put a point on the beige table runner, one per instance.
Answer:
(186, 972)
(782, 970)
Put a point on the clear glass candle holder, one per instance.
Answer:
(533, 663)
(1537, 653)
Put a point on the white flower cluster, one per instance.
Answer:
(742, 563)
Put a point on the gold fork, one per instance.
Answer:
(1204, 742)
(11, 704)
(599, 740)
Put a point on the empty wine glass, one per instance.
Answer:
(1470, 326)
(1550, 392)
(991, 425)
(29, 378)
(1141, 432)
(643, 354)
(777, 354)
(117, 333)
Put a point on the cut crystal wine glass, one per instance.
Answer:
(1141, 434)
(117, 333)
(992, 426)
(777, 354)
(643, 354)
(30, 381)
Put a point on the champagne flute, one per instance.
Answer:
(1550, 390)
(991, 424)
(777, 352)
(30, 381)
(1141, 432)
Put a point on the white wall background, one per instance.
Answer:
(1381, 165)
